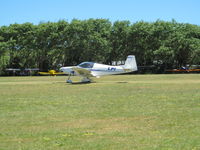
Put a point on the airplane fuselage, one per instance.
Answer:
(101, 69)
(97, 69)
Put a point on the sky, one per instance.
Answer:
(36, 11)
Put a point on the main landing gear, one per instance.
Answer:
(83, 80)
(86, 80)
(68, 80)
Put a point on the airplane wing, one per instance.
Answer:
(58, 73)
(49, 73)
(82, 72)
(44, 73)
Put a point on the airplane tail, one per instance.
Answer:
(130, 63)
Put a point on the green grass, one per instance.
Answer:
(159, 112)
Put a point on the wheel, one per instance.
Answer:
(69, 81)
(86, 80)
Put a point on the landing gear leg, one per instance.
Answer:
(68, 80)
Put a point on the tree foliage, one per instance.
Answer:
(52, 44)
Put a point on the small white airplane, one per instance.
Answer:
(91, 69)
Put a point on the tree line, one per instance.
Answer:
(52, 44)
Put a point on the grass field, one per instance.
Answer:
(158, 112)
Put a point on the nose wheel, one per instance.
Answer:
(69, 81)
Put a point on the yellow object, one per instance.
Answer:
(51, 72)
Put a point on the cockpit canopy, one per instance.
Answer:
(86, 65)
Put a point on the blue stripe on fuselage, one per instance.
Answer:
(106, 70)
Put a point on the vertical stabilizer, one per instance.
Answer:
(130, 63)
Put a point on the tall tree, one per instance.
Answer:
(119, 40)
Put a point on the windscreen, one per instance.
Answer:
(86, 65)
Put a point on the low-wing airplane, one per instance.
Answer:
(91, 69)
(51, 72)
